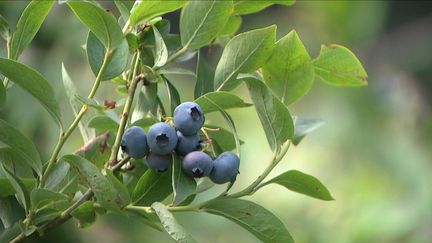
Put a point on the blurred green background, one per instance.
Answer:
(374, 152)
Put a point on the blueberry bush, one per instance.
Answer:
(145, 159)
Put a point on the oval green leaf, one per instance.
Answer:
(183, 184)
(103, 123)
(213, 101)
(148, 9)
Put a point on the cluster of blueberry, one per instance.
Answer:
(163, 139)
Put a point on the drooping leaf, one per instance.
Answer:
(289, 72)
(103, 123)
(34, 83)
(202, 21)
(172, 227)
(337, 65)
(40, 197)
(85, 214)
(183, 184)
(161, 51)
(102, 189)
(4, 28)
(300, 182)
(303, 126)
(96, 54)
(148, 9)
(252, 217)
(244, 53)
(242, 7)
(20, 145)
(153, 186)
(231, 26)
(205, 76)
(7, 189)
(273, 114)
(173, 95)
(28, 25)
(214, 100)
(102, 23)
(21, 190)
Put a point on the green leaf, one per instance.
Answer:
(231, 27)
(7, 189)
(20, 145)
(145, 122)
(153, 186)
(103, 123)
(96, 54)
(303, 126)
(90, 102)
(289, 72)
(273, 114)
(40, 197)
(2, 95)
(10, 233)
(34, 83)
(147, 104)
(103, 24)
(247, 7)
(148, 9)
(173, 95)
(220, 99)
(57, 175)
(202, 21)
(4, 28)
(28, 25)
(176, 71)
(101, 187)
(85, 214)
(21, 190)
(244, 53)
(254, 218)
(124, 8)
(337, 65)
(161, 51)
(302, 183)
(183, 184)
(205, 76)
(123, 196)
(45, 214)
(172, 227)
(146, 218)
(222, 137)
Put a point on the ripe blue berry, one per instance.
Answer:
(158, 162)
(225, 168)
(188, 118)
(187, 144)
(162, 138)
(134, 142)
(197, 164)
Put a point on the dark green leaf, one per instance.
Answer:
(20, 145)
(248, 7)
(16, 163)
(254, 218)
(4, 28)
(153, 186)
(244, 53)
(40, 197)
(231, 26)
(100, 22)
(6, 188)
(34, 83)
(302, 183)
(202, 21)
(123, 196)
(273, 114)
(289, 72)
(174, 229)
(337, 65)
(21, 190)
(10, 233)
(220, 99)
(102, 189)
(132, 41)
(303, 126)
(45, 214)
(205, 77)
(222, 137)
(176, 71)
(28, 25)
(173, 95)
(103, 123)
(2, 95)
(96, 54)
(183, 184)
(57, 175)
(85, 214)
(149, 9)
(11, 212)
(161, 51)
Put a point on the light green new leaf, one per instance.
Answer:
(85, 214)
(172, 227)
(96, 54)
(289, 72)
(231, 26)
(254, 218)
(102, 23)
(2, 95)
(247, 7)
(303, 126)
(337, 65)
(101, 187)
(149, 9)
(274, 115)
(7, 189)
(244, 53)
(20, 145)
(183, 184)
(40, 197)
(161, 51)
(34, 83)
(205, 76)
(302, 183)
(214, 100)
(202, 21)
(21, 190)
(103, 123)
(153, 186)
(28, 25)
(4, 28)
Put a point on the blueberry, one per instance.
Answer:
(158, 162)
(162, 138)
(197, 164)
(134, 142)
(225, 168)
(188, 118)
(187, 144)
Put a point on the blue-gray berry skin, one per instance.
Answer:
(158, 162)
(187, 144)
(225, 168)
(134, 142)
(162, 138)
(197, 164)
(189, 118)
